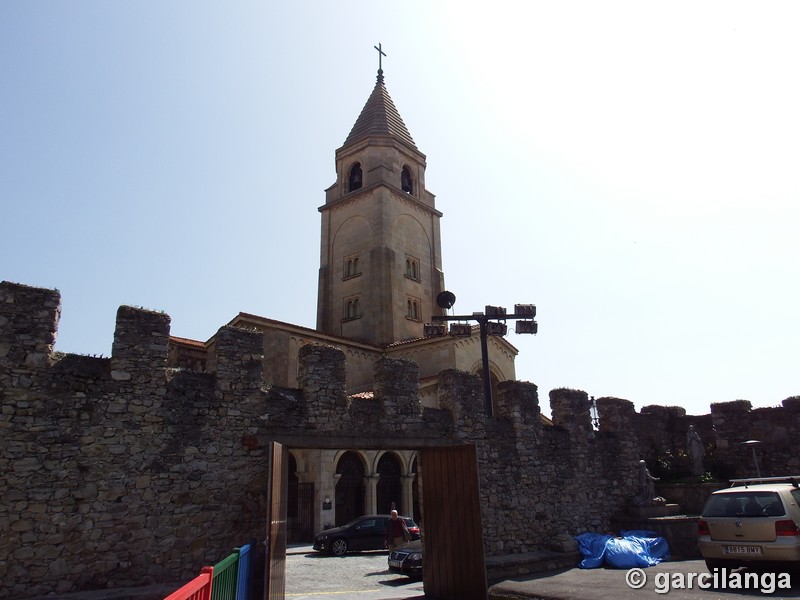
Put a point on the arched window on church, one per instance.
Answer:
(413, 309)
(351, 267)
(350, 488)
(405, 181)
(352, 308)
(354, 181)
(412, 268)
(389, 489)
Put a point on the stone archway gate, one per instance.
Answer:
(453, 566)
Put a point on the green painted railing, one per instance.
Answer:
(226, 573)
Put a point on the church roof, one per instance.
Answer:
(379, 117)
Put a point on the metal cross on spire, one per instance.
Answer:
(381, 54)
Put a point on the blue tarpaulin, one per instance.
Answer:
(632, 549)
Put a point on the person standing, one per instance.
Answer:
(397, 532)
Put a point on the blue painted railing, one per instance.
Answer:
(243, 580)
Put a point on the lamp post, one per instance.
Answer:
(753, 444)
(492, 321)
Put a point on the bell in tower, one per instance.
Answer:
(355, 178)
(385, 223)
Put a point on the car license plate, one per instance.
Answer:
(742, 549)
(395, 563)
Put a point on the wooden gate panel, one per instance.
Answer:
(454, 566)
(277, 497)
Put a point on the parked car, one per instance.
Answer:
(753, 523)
(364, 533)
(407, 559)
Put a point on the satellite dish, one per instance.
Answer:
(446, 299)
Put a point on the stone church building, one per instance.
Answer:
(380, 273)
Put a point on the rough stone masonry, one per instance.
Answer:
(122, 471)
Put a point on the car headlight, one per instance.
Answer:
(415, 556)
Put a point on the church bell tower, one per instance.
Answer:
(380, 260)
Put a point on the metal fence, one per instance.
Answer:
(229, 579)
(243, 578)
(198, 588)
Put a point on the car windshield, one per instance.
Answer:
(744, 504)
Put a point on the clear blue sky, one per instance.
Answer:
(629, 167)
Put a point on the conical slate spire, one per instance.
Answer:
(379, 117)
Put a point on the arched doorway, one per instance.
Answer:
(299, 506)
(390, 491)
(349, 488)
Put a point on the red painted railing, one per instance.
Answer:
(198, 588)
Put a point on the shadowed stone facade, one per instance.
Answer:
(123, 471)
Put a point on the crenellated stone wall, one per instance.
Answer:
(122, 471)
(776, 430)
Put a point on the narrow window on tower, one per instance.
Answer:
(405, 181)
(351, 267)
(354, 181)
(412, 268)
(412, 308)
(352, 308)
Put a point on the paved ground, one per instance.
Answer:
(358, 576)
(662, 581)
(364, 576)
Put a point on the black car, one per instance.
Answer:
(407, 559)
(364, 533)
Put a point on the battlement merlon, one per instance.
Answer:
(28, 324)
(616, 415)
(322, 377)
(141, 340)
(237, 359)
(462, 394)
(571, 411)
(519, 401)
(396, 385)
